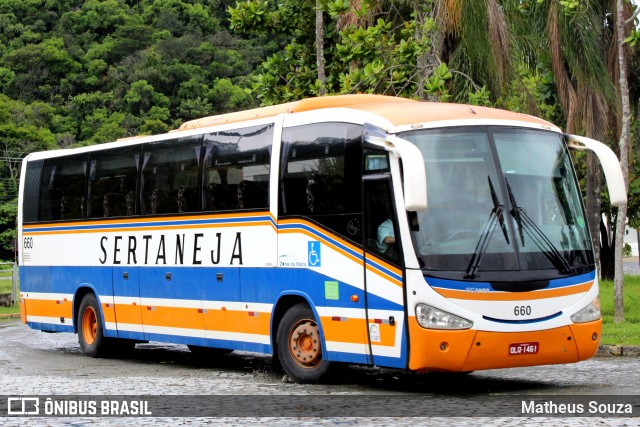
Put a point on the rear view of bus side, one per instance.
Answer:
(361, 228)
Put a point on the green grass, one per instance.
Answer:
(10, 310)
(5, 285)
(627, 332)
(5, 288)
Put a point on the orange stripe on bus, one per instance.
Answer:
(514, 296)
(384, 264)
(176, 317)
(387, 334)
(384, 275)
(237, 321)
(128, 313)
(321, 231)
(351, 330)
(137, 219)
(153, 228)
(108, 313)
(49, 308)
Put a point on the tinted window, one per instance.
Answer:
(236, 168)
(315, 178)
(170, 176)
(112, 180)
(63, 188)
(31, 195)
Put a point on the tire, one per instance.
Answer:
(90, 333)
(299, 346)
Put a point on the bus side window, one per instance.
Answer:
(63, 188)
(169, 181)
(33, 194)
(112, 182)
(236, 168)
(315, 179)
(380, 220)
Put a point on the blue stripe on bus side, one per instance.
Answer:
(338, 356)
(50, 327)
(257, 285)
(260, 285)
(381, 268)
(570, 281)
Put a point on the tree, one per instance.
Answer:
(623, 145)
(322, 77)
(577, 39)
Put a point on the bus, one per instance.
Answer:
(357, 229)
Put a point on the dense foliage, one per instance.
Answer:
(84, 72)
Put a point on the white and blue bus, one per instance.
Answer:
(362, 229)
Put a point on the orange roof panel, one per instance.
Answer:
(398, 111)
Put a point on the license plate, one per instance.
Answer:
(516, 349)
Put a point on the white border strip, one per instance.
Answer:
(50, 320)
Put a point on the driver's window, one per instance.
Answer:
(381, 223)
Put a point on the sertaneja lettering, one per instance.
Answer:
(156, 250)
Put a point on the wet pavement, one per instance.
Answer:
(39, 364)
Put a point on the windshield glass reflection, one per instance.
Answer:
(499, 200)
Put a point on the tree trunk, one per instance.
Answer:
(422, 61)
(593, 207)
(624, 162)
(322, 78)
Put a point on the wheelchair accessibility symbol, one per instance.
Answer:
(313, 253)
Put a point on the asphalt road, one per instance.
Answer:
(34, 363)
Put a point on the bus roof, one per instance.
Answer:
(398, 111)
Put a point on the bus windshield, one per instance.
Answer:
(499, 200)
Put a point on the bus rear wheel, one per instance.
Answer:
(299, 345)
(90, 334)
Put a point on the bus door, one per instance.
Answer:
(383, 275)
(126, 291)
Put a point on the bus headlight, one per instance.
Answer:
(433, 318)
(588, 314)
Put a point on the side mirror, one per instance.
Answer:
(414, 180)
(610, 166)
(415, 175)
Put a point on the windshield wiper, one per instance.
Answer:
(487, 231)
(537, 236)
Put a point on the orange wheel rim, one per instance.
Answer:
(89, 325)
(304, 344)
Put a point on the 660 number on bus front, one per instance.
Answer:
(522, 310)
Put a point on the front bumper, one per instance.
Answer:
(473, 350)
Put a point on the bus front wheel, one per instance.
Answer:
(299, 345)
(90, 334)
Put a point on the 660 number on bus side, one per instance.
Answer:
(28, 243)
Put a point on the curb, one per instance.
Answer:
(618, 351)
(10, 316)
